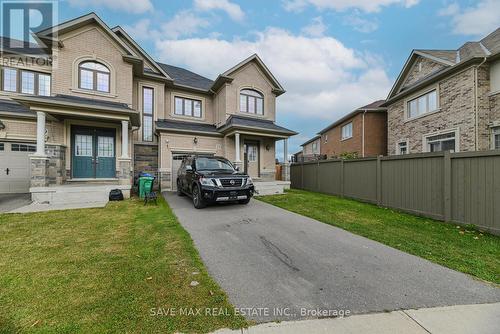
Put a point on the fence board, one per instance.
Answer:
(417, 183)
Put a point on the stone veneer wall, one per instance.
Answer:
(456, 95)
(49, 170)
(146, 159)
(165, 180)
(124, 173)
(57, 163)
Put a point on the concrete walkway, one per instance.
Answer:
(464, 319)
(267, 257)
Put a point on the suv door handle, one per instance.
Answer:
(7, 171)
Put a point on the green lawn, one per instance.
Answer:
(104, 270)
(460, 248)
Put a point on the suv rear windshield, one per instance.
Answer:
(209, 163)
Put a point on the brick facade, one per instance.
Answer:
(456, 112)
(375, 134)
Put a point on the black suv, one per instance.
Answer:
(209, 179)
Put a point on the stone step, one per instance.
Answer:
(75, 194)
(271, 187)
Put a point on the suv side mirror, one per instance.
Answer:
(237, 168)
(189, 168)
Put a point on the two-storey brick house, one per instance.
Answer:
(104, 110)
(447, 100)
(361, 133)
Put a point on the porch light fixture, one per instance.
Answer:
(195, 140)
(2, 126)
(268, 147)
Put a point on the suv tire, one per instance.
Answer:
(197, 200)
(179, 190)
(244, 201)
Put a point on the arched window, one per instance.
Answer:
(251, 101)
(94, 76)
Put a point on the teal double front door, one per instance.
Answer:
(92, 153)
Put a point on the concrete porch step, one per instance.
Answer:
(264, 188)
(76, 193)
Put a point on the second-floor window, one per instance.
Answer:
(187, 107)
(25, 82)
(423, 104)
(347, 131)
(147, 113)
(93, 76)
(252, 102)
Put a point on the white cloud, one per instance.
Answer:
(130, 6)
(323, 78)
(339, 5)
(360, 24)
(184, 23)
(233, 10)
(477, 20)
(316, 29)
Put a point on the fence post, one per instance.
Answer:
(302, 175)
(341, 177)
(447, 186)
(379, 181)
(317, 177)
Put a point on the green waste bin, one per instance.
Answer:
(145, 185)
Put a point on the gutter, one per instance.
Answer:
(476, 103)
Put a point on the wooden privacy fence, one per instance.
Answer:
(462, 187)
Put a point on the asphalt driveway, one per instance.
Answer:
(273, 261)
(9, 202)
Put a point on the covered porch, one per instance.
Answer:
(89, 152)
(251, 145)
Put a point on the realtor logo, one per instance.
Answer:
(21, 19)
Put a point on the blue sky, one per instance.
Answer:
(330, 55)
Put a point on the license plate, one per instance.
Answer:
(233, 193)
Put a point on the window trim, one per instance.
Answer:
(193, 100)
(407, 143)
(247, 101)
(94, 76)
(456, 131)
(148, 115)
(495, 131)
(342, 131)
(416, 96)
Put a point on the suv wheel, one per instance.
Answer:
(244, 201)
(179, 190)
(197, 200)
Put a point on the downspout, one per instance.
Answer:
(476, 102)
(363, 135)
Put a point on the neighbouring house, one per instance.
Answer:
(103, 110)
(311, 149)
(447, 100)
(361, 133)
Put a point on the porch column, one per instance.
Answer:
(237, 159)
(40, 134)
(285, 150)
(124, 140)
(285, 171)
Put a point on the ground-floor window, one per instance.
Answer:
(22, 148)
(442, 142)
(403, 147)
(496, 138)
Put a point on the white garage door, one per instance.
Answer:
(176, 163)
(15, 167)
